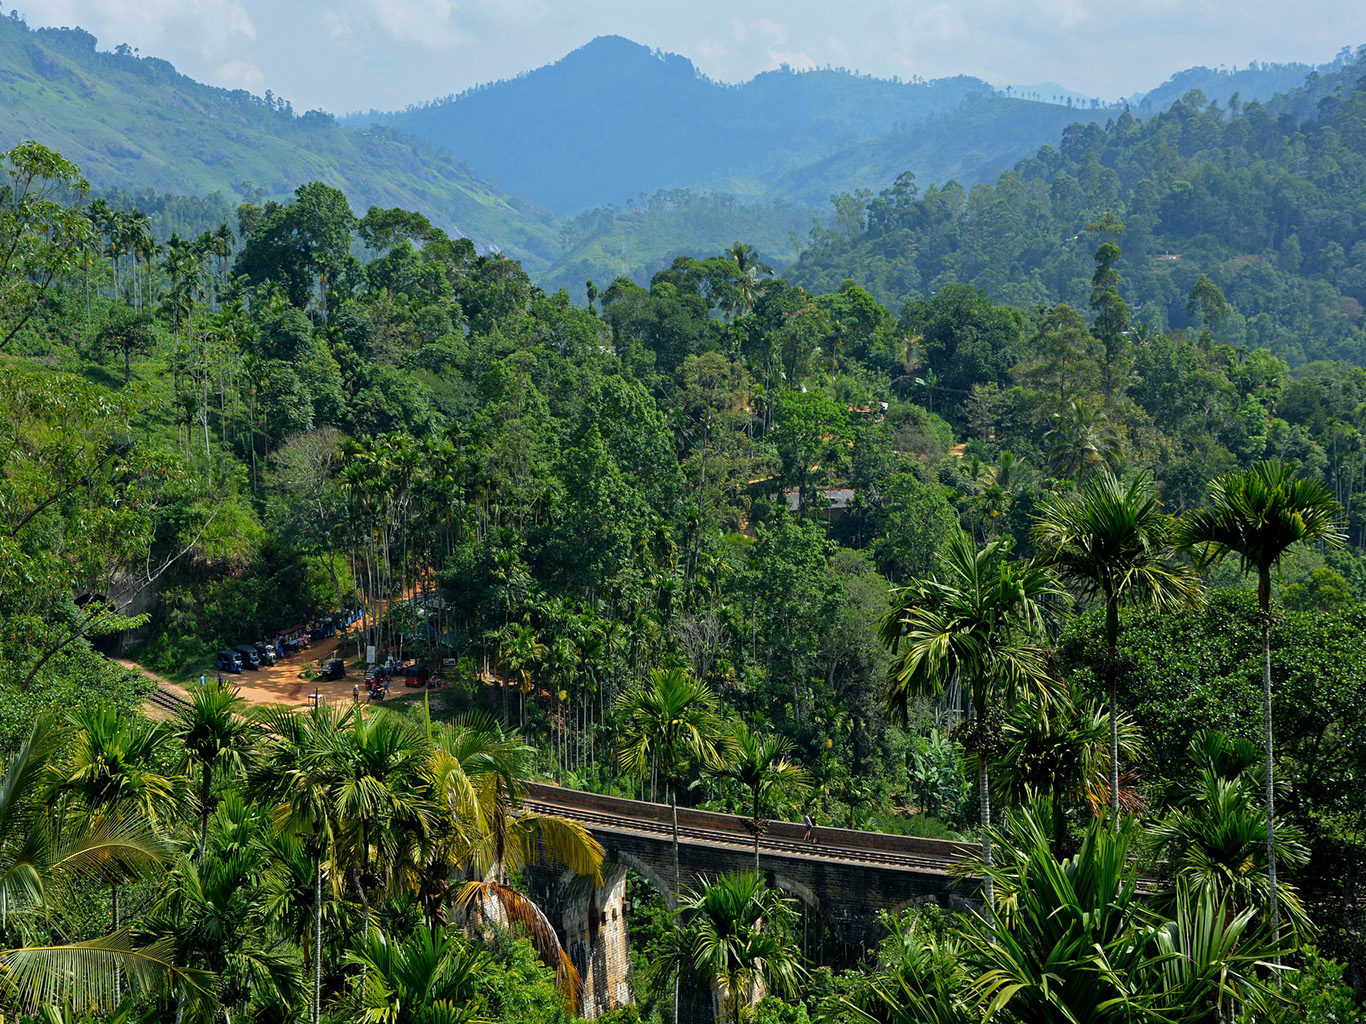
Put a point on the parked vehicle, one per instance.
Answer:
(293, 639)
(266, 652)
(415, 675)
(333, 668)
(229, 661)
(250, 659)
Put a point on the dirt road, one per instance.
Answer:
(281, 683)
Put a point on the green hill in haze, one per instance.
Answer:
(615, 119)
(134, 122)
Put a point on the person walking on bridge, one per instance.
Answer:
(810, 836)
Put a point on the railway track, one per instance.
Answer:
(167, 701)
(743, 840)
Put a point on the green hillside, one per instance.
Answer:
(641, 239)
(975, 143)
(1264, 199)
(134, 122)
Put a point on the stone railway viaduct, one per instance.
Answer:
(846, 878)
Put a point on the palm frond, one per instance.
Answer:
(522, 912)
(82, 973)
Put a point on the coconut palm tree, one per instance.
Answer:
(1257, 514)
(1114, 543)
(1082, 443)
(760, 764)
(736, 936)
(671, 723)
(748, 272)
(977, 622)
(483, 836)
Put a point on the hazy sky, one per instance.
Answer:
(346, 55)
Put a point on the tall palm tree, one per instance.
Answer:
(760, 764)
(41, 851)
(215, 736)
(748, 271)
(737, 936)
(1257, 514)
(1114, 543)
(300, 775)
(477, 775)
(114, 773)
(977, 622)
(671, 723)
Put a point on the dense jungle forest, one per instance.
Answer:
(1059, 553)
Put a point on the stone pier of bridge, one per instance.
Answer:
(848, 878)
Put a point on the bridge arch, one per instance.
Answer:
(646, 871)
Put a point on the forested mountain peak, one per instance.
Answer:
(134, 122)
(614, 119)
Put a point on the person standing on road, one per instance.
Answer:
(355, 693)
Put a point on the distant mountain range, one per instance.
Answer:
(614, 119)
(639, 156)
(134, 122)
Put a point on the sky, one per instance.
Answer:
(354, 55)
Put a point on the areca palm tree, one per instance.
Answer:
(760, 764)
(1213, 836)
(383, 803)
(1062, 752)
(429, 977)
(671, 723)
(736, 935)
(41, 851)
(300, 775)
(113, 772)
(1115, 544)
(1070, 941)
(976, 622)
(1258, 514)
(215, 736)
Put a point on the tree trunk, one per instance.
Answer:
(984, 796)
(673, 808)
(205, 789)
(1111, 654)
(1264, 594)
(318, 939)
(118, 975)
